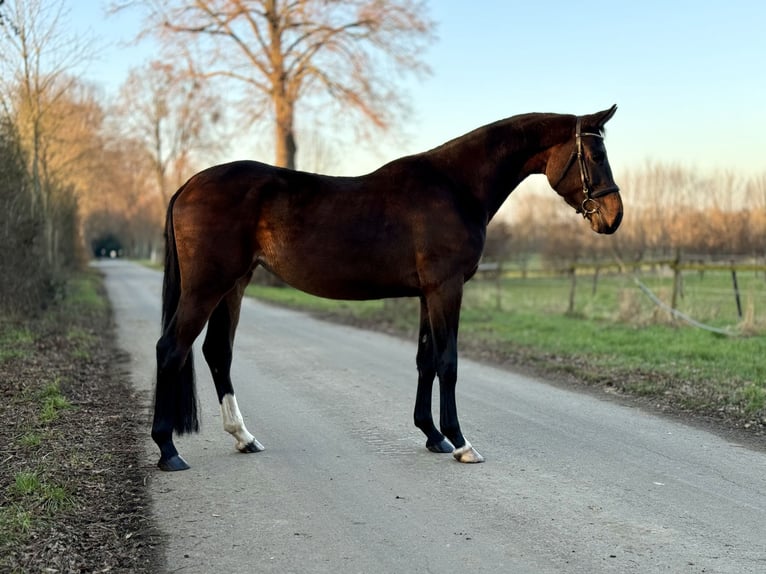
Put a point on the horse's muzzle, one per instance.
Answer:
(606, 215)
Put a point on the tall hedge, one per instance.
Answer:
(26, 281)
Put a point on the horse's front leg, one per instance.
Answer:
(217, 349)
(444, 312)
(426, 361)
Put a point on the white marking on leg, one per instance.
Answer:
(235, 425)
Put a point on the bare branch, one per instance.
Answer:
(290, 50)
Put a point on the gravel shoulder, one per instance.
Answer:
(73, 494)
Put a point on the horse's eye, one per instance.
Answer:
(598, 156)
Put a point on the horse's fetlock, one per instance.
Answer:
(424, 422)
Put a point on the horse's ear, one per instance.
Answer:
(603, 117)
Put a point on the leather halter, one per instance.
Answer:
(577, 154)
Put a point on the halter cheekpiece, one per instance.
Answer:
(587, 190)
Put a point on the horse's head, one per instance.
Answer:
(579, 171)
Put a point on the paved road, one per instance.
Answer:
(571, 484)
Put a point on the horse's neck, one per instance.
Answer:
(492, 161)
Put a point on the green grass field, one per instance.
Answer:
(616, 336)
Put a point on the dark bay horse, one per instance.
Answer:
(413, 228)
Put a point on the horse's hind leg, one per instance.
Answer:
(217, 349)
(175, 376)
(175, 405)
(426, 361)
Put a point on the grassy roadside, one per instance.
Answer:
(71, 492)
(673, 367)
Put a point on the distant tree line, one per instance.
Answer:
(667, 208)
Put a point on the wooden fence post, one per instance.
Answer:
(736, 291)
(676, 280)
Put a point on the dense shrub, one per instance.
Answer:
(25, 278)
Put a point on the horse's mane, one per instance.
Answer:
(516, 132)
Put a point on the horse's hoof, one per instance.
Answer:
(252, 446)
(444, 446)
(172, 464)
(467, 454)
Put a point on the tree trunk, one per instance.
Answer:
(281, 97)
(284, 136)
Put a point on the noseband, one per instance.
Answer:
(587, 190)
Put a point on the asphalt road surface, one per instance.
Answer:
(572, 483)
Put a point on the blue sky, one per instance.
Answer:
(689, 77)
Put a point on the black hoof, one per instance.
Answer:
(172, 464)
(443, 447)
(253, 446)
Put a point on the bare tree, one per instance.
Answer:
(756, 191)
(37, 58)
(286, 51)
(174, 115)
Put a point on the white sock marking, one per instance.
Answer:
(233, 422)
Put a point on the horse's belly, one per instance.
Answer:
(344, 279)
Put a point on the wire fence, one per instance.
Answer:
(723, 297)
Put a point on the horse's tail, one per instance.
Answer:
(182, 393)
